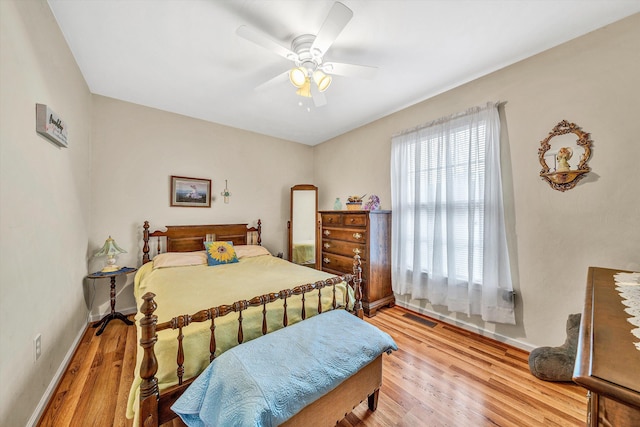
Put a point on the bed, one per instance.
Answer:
(304, 252)
(266, 294)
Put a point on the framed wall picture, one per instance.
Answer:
(190, 192)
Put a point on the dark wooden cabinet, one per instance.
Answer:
(368, 233)
(607, 363)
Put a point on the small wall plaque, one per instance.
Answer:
(50, 125)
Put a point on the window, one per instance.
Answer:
(445, 200)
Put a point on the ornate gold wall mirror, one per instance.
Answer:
(302, 225)
(558, 172)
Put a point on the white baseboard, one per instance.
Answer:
(37, 413)
(467, 326)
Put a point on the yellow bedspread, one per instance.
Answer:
(304, 252)
(186, 290)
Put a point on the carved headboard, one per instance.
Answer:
(189, 238)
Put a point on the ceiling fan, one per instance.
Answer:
(307, 52)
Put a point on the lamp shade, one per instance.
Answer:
(322, 80)
(298, 76)
(110, 250)
(305, 90)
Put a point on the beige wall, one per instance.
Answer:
(135, 151)
(44, 206)
(592, 81)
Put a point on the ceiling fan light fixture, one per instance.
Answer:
(305, 90)
(298, 77)
(307, 53)
(316, 53)
(322, 80)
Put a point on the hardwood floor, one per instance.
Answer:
(440, 376)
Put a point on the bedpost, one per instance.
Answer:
(149, 392)
(357, 282)
(259, 232)
(145, 248)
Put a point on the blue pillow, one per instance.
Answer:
(220, 253)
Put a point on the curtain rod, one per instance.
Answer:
(444, 119)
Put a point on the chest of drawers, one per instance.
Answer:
(368, 233)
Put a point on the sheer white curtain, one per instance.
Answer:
(448, 235)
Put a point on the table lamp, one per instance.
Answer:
(110, 249)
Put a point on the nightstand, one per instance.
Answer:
(114, 314)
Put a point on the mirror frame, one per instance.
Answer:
(290, 223)
(567, 179)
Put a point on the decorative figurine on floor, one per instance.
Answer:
(373, 204)
(564, 154)
(556, 363)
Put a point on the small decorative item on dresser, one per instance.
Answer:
(373, 204)
(355, 203)
(337, 205)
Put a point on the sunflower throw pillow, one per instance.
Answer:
(220, 253)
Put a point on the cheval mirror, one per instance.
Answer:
(302, 225)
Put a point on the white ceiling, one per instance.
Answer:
(184, 56)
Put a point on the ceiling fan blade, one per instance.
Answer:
(277, 80)
(319, 98)
(261, 40)
(350, 70)
(338, 17)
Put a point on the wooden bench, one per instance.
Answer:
(311, 373)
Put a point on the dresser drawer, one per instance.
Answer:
(332, 219)
(340, 247)
(343, 264)
(355, 220)
(347, 234)
(347, 220)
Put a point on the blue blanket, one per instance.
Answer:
(266, 381)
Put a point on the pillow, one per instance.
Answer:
(247, 251)
(220, 253)
(179, 259)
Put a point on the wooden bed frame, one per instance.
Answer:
(155, 407)
(189, 238)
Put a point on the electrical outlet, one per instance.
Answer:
(37, 346)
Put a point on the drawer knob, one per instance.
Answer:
(326, 260)
(327, 232)
(326, 246)
(356, 251)
(357, 236)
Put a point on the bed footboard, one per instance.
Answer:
(154, 407)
